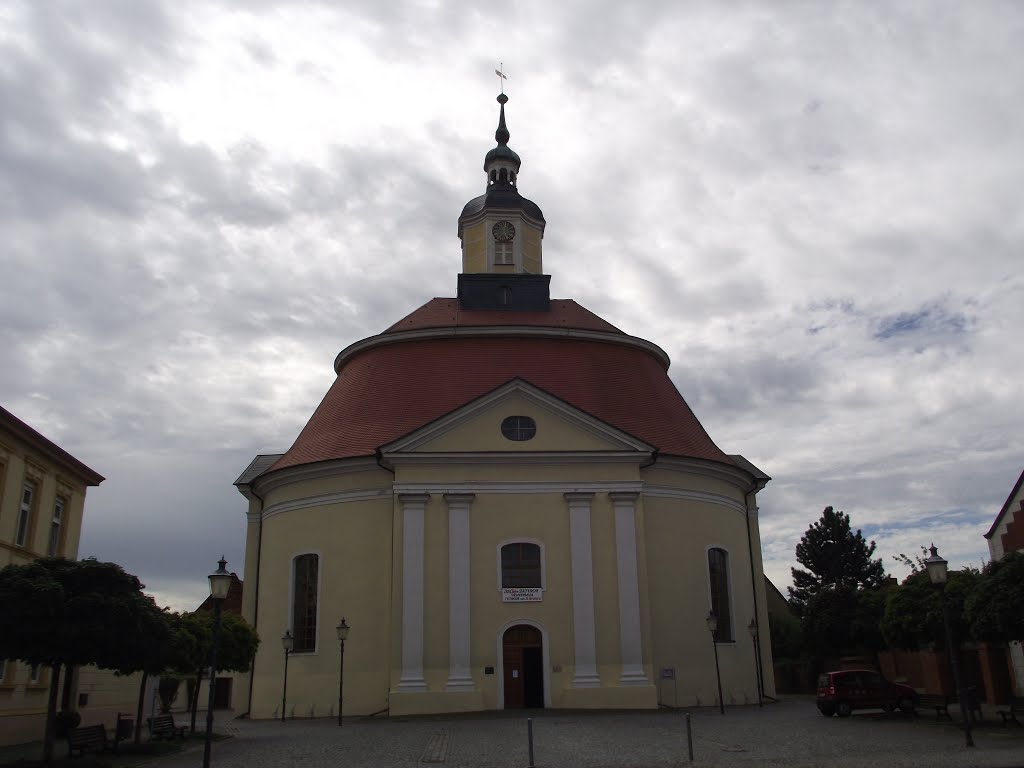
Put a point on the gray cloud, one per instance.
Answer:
(814, 210)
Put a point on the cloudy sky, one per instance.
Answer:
(814, 208)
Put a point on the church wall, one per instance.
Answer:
(767, 666)
(474, 248)
(531, 251)
(483, 433)
(678, 535)
(657, 475)
(566, 475)
(353, 541)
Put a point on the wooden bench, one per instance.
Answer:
(89, 738)
(941, 704)
(937, 701)
(163, 727)
(1016, 707)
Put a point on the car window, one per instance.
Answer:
(847, 680)
(871, 678)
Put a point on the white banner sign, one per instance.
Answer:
(521, 595)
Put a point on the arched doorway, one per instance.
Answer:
(523, 663)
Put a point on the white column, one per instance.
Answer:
(460, 677)
(624, 505)
(582, 557)
(413, 506)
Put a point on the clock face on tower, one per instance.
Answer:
(503, 231)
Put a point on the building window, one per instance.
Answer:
(305, 583)
(718, 576)
(519, 428)
(502, 253)
(55, 526)
(28, 494)
(3, 671)
(520, 565)
(34, 674)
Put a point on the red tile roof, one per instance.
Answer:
(386, 391)
(445, 313)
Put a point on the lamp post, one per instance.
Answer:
(287, 642)
(342, 634)
(752, 628)
(937, 573)
(712, 621)
(220, 582)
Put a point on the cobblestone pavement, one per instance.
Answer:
(790, 733)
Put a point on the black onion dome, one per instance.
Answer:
(502, 196)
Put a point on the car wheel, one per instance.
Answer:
(843, 709)
(907, 705)
(888, 707)
(827, 710)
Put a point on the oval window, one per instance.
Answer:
(519, 428)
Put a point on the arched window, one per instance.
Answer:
(305, 582)
(718, 577)
(520, 565)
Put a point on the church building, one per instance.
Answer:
(510, 504)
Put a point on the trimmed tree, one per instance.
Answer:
(995, 609)
(913, 611)
(60, 613)
(237, 646)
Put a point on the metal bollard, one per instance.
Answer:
(529, 736)
(689, 737)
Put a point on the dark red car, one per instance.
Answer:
(839, 693)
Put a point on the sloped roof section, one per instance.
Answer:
(1006, 506)
(388, 390)
(49, 448)
(446, 313)
(257, 467)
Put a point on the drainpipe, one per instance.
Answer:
(256, 596)
(753, 594)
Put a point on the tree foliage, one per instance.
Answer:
(913, 612)
(235, 648)
(61, 613)
(836, 559)
(995, 609)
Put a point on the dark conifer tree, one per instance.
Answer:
(837, 560)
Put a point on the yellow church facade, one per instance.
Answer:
(511, 505)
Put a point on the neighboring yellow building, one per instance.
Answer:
(512, 506)
(42, 498)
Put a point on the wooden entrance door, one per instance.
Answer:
(523, 666)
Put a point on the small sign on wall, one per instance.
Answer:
(522, 595)
(668, 673)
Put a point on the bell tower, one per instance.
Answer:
(501, 233)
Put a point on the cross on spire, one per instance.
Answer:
(502, 77)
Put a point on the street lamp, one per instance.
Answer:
(287, 642)
(752, 628)
(937, 572)
(220, 582)
(342, 635)
(712, 621)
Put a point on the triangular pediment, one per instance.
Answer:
(477, 427)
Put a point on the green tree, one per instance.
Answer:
(836, 559)
(235, 650)
(60, 613)
(995, 609)
(834, 596)
(913, 611)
